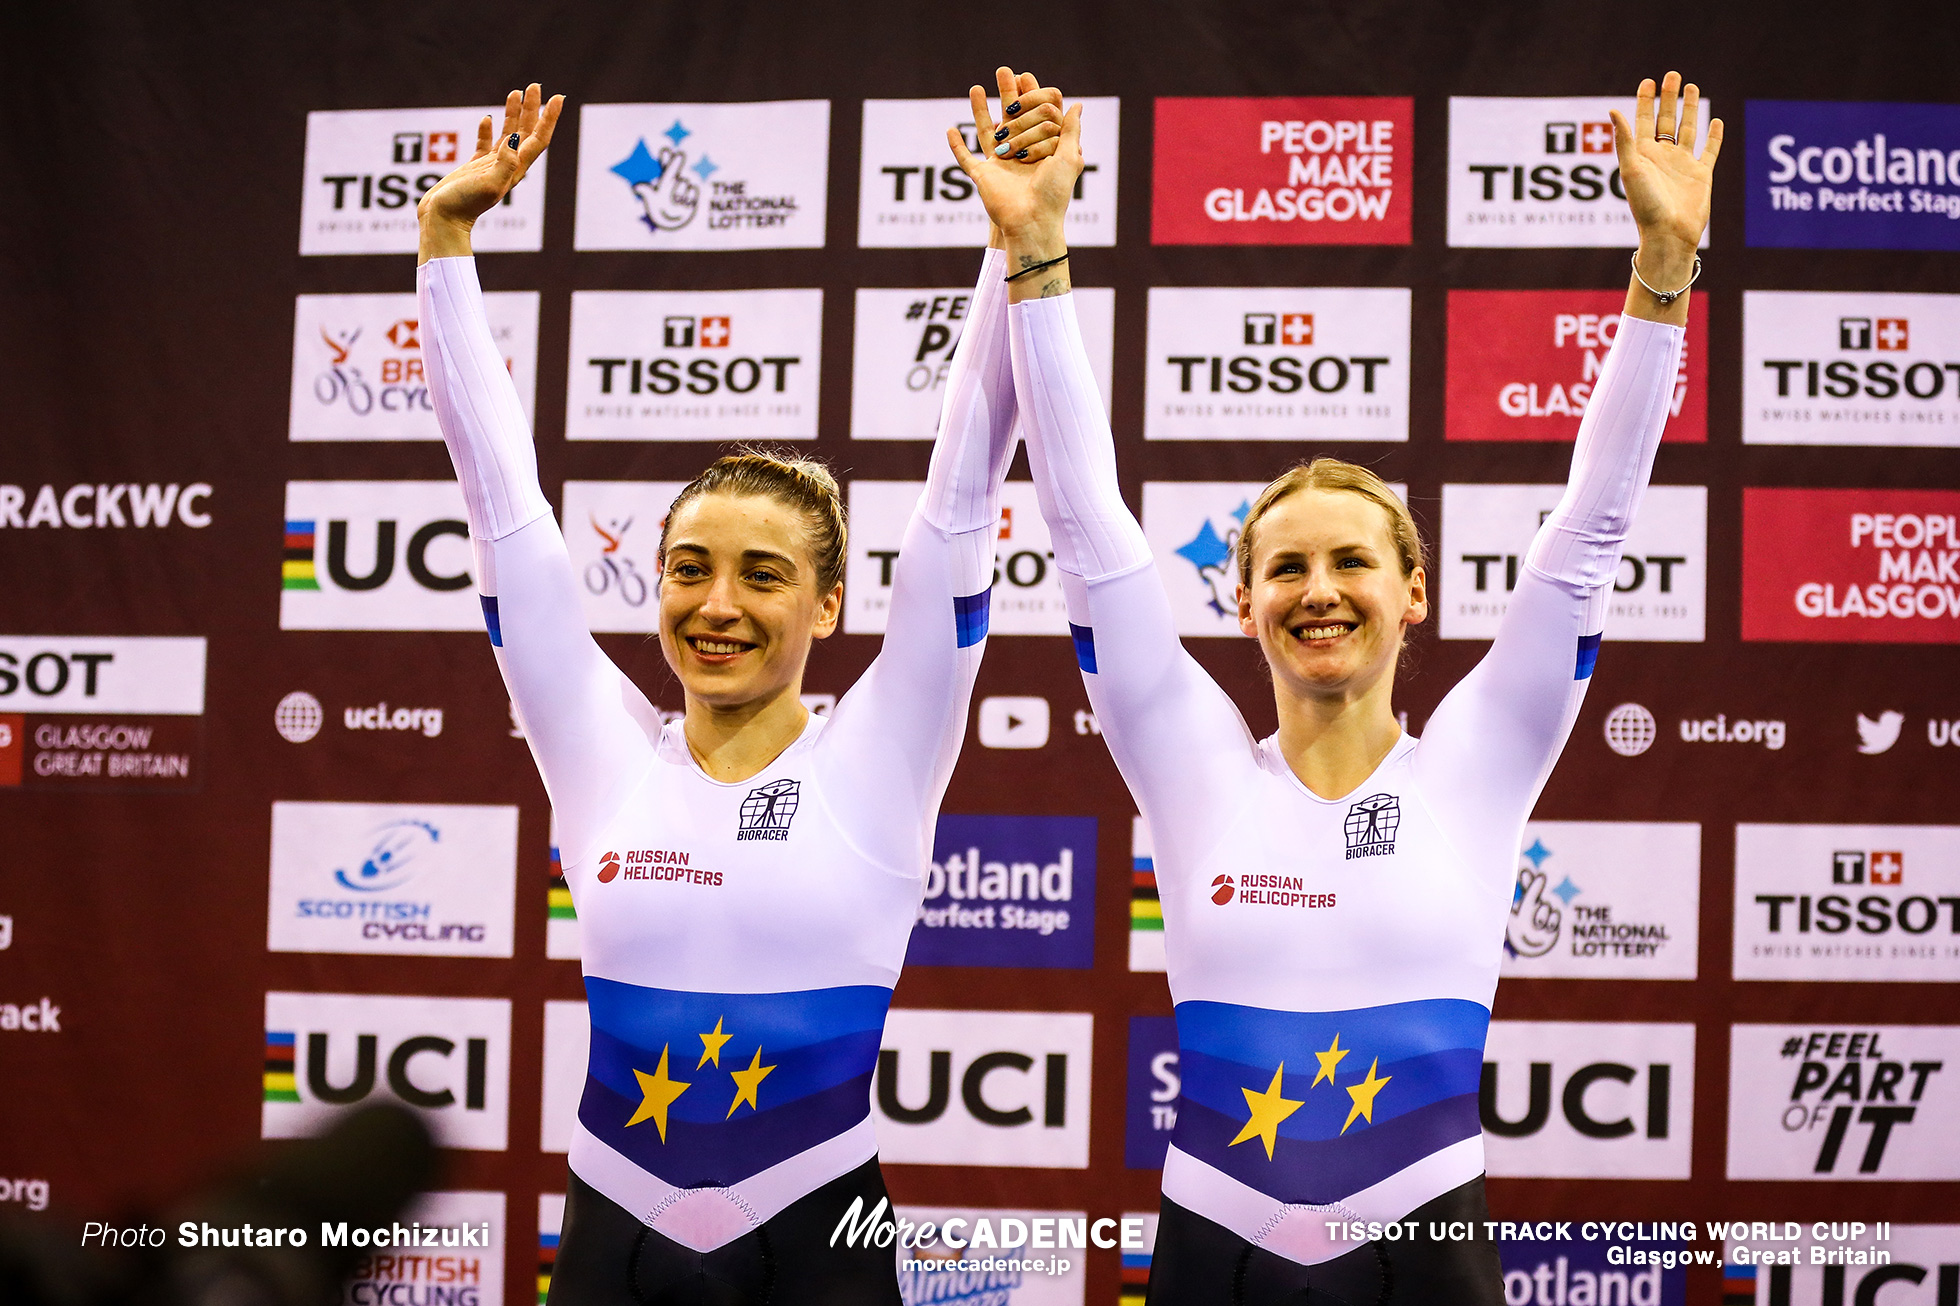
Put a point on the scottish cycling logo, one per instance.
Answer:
(702, 176)
(1371, 825)
(1265, 364)
(390, 859)
(1835, 175)
(1850, 368)
(767, 811)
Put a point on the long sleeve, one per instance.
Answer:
(893, 739)
(1176, 736)
(586, 723)
(1490, 746)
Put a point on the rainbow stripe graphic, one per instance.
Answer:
(558, 898)
(1738, 1285)
(1146, 910)
(280, 1084)
(1136, 1279)
(296, 569)
(547, 1260)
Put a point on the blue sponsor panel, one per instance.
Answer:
(1829, 175)
(1570, 1271)
(1150, 1100)
(1009, 891)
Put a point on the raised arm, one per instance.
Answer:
(1177, 738)
(582, 717)
(1491, 743)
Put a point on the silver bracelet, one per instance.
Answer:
(1665, 296)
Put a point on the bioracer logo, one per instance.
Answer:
(767, 811)
(1371, 825)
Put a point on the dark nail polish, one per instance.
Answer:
(513, 140)
(1020, 154)
(1001, 135)
(1011, 109)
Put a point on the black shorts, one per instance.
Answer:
(607, 1257)
(1199, 1263)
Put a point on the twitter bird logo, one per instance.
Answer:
(1878, 736)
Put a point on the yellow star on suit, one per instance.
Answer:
(657, 1094)
(1268, 1110)
(1328, 1060)
(711, 1045)
(747, 1082)
(1364, 1096)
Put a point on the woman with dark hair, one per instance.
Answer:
(1335, 896)
(746, 878)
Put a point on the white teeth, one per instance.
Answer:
(716, 646)
(1324, 632)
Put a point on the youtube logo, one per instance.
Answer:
(1011, 721)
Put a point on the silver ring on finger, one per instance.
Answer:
(1663, 136)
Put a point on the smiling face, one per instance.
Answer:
(739, 598)
(1328, 601)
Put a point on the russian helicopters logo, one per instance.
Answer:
(767, 811)
(1222, 889)
(1371, 825)
(702, 176)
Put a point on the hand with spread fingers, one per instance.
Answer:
(452, 206)
(1668, 190)
(1025, 173)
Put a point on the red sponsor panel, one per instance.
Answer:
(1522, 364)
(1282, 171)
(1851, 566)
(12, 727)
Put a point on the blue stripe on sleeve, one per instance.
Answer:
(1588, 654)
(491, 622)
(1085, 646)
(970, 617)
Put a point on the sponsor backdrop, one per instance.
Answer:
(274, 844)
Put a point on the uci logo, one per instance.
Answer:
(609, 868)
(420, 1071)
(981, 1103)
(1222, 890)
(299, 573)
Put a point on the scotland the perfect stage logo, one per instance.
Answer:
(1824, 175)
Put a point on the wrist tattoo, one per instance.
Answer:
(1059, 286)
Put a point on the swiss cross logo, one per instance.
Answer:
(714, 332)
(1279, 328)
(1596, 138)
(1006, 523)
(681, 332)
(402, 335)
(1296, 328)
(1888, 868)
(1892, 333)
(425, 147)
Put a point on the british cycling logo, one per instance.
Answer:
(396, 847)
(767, 811)
(1371, 825)
(1210, 555)
(669, 201)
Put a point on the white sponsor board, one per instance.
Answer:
(1661, 590)
(365, 168)
(1027, 592)
(462, 1264)
(1606, 900)
(1146, 945)
(912, 193)
(1831, 1262)
(1843, 1102)
(446, 1058)
(358, 371)
(1847, 902)
(377, 555)
(613, 531)
(903, 342)
(1016, 1092)
(423, 879)
(1272, 363)
(1610, 1101)
(162, 674)
(694, 365)
(702, 176)
(1850, 368)
(1193, 529)
(1541, 171)
(567, 1047)
(1056, 1242)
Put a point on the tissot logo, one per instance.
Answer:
(358, 370)
(1371, 824)
(1006, 1088)
(767, 810)
(702, 176)
(1843, 1102)
(694, 365)
(1836, 902)
(1829, 174)
(911, 193)
(1538, 172)
(1026, 594)
(903, 343)
(366, 168)
(1850, 368)
(1262, 364)
(447, 1058)
(106, 673)
(377, 555)
(1569, 1100)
